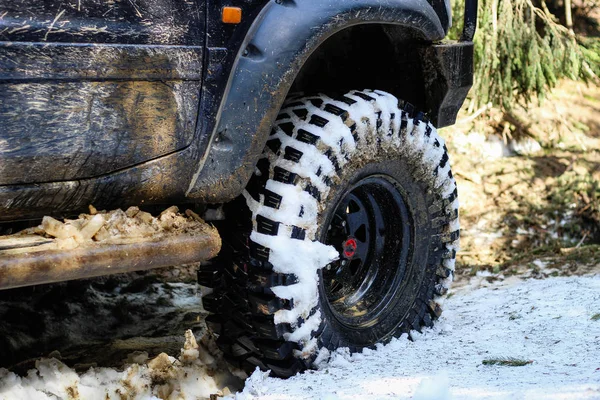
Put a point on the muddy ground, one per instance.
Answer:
(530, 208)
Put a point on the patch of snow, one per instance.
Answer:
(286, 255)
(214, 214)
(255, 384)
(195, 374)
(487, 147)
(526, 146)
(434, 388)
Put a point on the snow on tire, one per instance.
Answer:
(345, 236)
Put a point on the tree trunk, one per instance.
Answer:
(568, 15)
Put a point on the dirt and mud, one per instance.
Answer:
(99, 321)
(102, 227)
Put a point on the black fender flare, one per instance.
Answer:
(280, 40)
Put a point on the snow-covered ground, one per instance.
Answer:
(549, 322)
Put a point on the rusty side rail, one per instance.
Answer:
(35, 268)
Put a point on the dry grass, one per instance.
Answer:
(541, 205)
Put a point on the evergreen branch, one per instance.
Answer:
(507, 362)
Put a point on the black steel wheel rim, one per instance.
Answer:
(371, 228)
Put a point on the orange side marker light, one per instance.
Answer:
(231, 15)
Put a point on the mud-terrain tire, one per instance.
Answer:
(367, 174)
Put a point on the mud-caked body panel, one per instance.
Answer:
(158, 101)
(167, 22)
(92, 87)
(82, 129)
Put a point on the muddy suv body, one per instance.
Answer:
(160, 102)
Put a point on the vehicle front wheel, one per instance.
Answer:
(363, 173)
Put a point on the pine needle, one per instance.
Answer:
(506, 362)
(521, 51)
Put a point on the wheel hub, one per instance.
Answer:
(350, 247)
(371, 228)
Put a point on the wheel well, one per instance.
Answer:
(370, 56)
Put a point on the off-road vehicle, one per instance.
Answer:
(313, 122)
